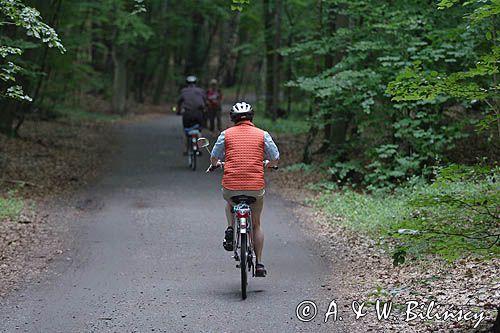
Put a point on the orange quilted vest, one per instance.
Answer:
(244, 145)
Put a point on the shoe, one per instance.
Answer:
(228, 239)
(260, 270)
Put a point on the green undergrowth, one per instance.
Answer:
(291, 126)
(10, 206)
(78, 114)
(302, 167)
(457, 215)
(371, 214)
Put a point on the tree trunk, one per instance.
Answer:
(268, 32)
(213, 27)
(495, 102)
(163, 58)
(162, 79)
(259, 81)
(8, 106)
(289, 64)
(137, 72)
(338, 133)
(335, 124)
(276, 59)
(7, 115)
(194, 61)
(289, 78)
(272, 30)
(311, 134)
(228, 47)
(119, 97)
(314, 107)
(232, 68)
(55, 9)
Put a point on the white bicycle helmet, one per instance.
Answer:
(241, 111)
(191, 79)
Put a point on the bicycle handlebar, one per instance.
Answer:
(266, 163)
(221, 164)
(213, 167)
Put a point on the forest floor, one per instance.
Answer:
(50, 160)
(54, 159)
(39, 171)
(468, 284)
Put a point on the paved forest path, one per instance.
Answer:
(147, 254)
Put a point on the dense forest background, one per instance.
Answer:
(397, 101)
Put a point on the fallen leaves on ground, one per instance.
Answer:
(364, 272)
(45, 165)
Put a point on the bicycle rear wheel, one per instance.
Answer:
(243, 265)
(193, 161)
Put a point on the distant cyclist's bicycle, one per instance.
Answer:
(193, 133)
(243, 237)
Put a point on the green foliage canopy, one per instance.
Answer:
(14, 12)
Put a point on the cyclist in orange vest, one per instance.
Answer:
(244, 147)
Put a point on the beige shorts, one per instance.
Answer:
(256, 206)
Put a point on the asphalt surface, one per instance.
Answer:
(147, 254)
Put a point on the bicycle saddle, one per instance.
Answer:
(193, 132)
(237, 199)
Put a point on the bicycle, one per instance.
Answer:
(242, 219)
(243, 242)
(193, 134)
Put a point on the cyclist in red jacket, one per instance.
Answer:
(214, 99)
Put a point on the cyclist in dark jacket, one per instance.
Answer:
(191, 104)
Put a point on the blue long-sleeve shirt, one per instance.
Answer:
(270, 149)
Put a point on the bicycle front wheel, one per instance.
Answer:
(243, 265)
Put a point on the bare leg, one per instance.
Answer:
(229, 215)
(258, 233)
